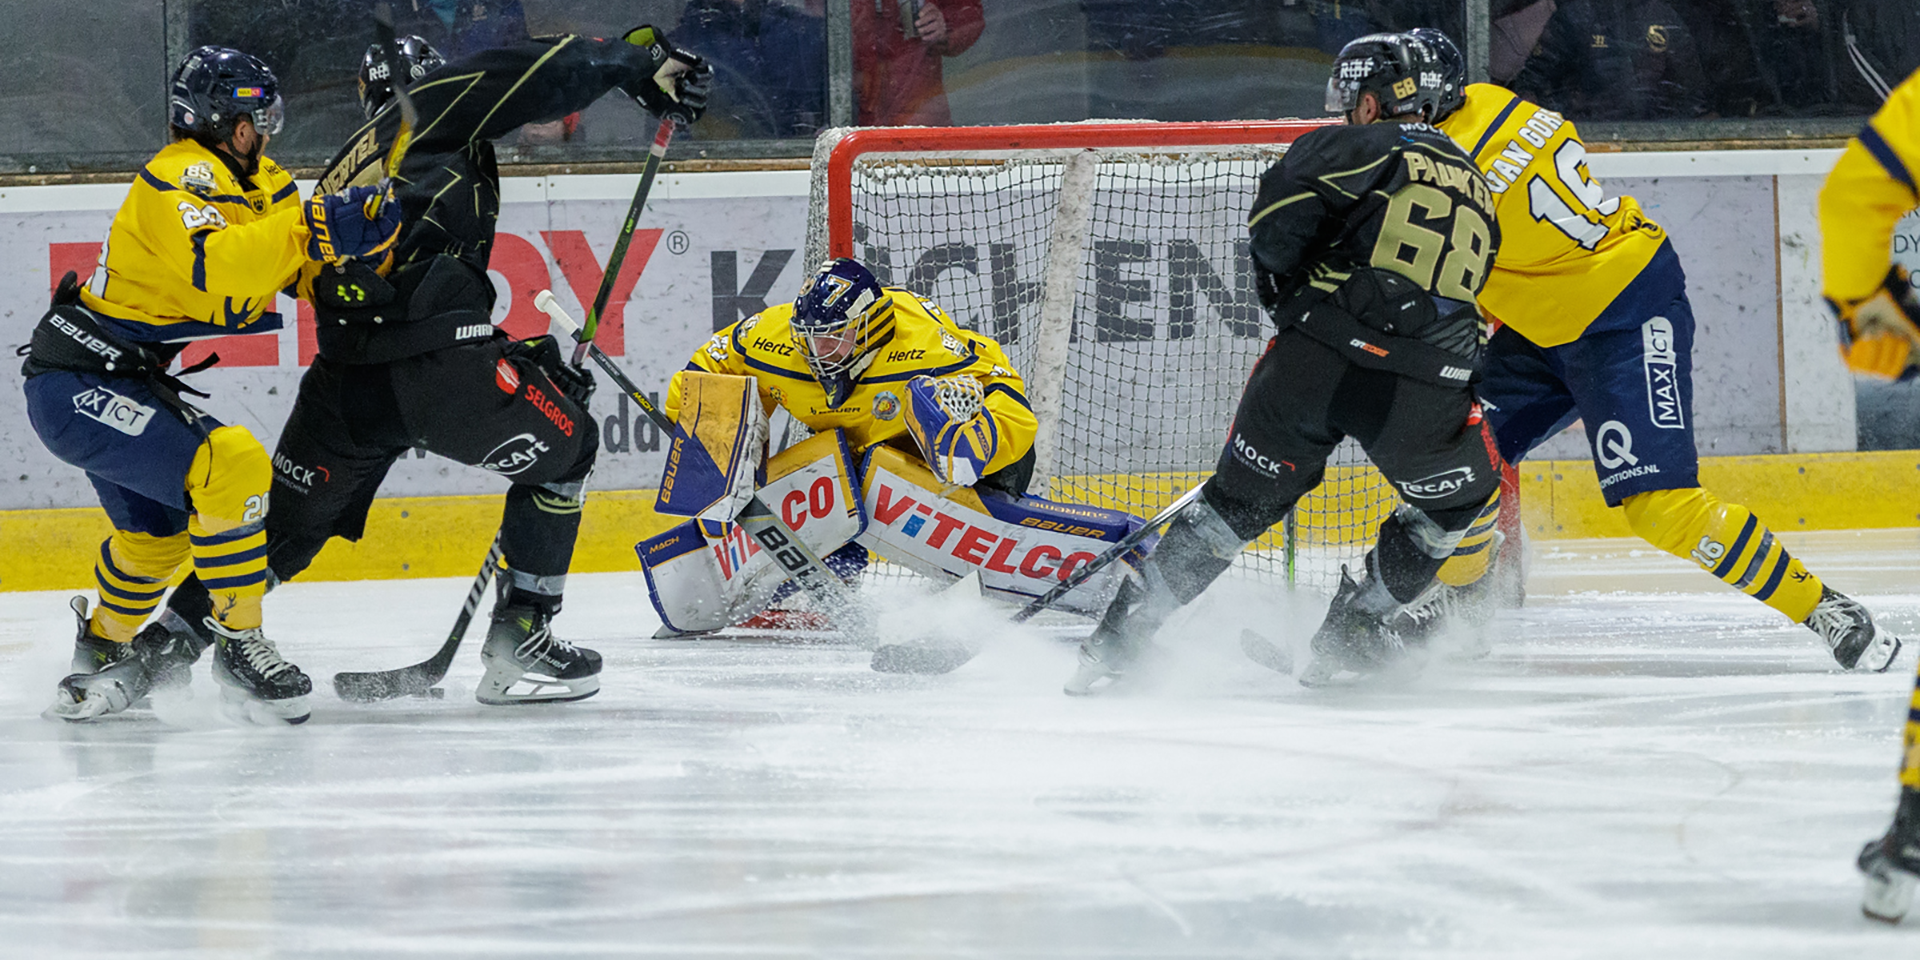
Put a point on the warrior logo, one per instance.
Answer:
(114, 410)
(514, 456)
(1439, 485)
(1662, 361)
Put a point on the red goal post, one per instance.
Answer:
(1109, 259)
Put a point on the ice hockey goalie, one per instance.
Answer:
(921, 452)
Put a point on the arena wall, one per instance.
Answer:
(716, 246)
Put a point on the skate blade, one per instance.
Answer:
(1879, 654)
(1090, 679)
(80, 711)
(921, 657)
(1888, 896)
(537, 690)
(242, 707)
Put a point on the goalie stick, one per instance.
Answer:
(418, 679)
(935, 656)
(798, 560)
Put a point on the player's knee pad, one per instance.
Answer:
(132, 572)
(228, 485)
(1411, 548)
(1728, 541)
(1474, 555)
(1197, 547)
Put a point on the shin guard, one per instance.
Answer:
(1728, 541)
(132, 573)
(228, 485)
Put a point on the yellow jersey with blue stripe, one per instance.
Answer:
(1566, 248)
(912, 336)
(1869, 190)
(197, 251)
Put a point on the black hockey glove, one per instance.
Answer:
(680, 81)
(349, 286)
(68, 292)
(544, 352)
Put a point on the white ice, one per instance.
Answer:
(1648, 765)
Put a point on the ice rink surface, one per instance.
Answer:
(1647, 765)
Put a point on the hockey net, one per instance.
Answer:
(1110, 260)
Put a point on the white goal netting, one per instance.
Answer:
(1110, 260)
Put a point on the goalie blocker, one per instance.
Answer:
(704, 575)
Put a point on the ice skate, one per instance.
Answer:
(1118, 642)
(1892, 864)
(107, 677)
(1857, 642)
(171, 648)
(255, 682)
(526, 663)
(1352, 638)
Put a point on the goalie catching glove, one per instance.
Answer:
(678, 88)
(950, 423)
(1878, 334)
(356, 223)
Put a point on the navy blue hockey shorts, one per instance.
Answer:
(134, 448)
(1628, 378)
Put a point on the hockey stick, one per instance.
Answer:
(799, 561)
(409, 116)
(924, 656)
(662, 136)
(418, 679)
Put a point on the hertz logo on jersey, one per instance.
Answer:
(1556, 221)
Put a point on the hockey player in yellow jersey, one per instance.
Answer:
(883, 365)
(1595, 325)
(922, 450)
(1870, 189)
(209, 234)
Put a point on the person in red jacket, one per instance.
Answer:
(897, 46)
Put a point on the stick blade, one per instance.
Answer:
(921, 657)
(381, 685)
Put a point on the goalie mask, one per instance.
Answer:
(834, 324)
(1399, 69)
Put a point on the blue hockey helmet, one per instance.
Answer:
(1453, 69)
(417, 56)
(216, 87)
(831, 320)
(1401, 71)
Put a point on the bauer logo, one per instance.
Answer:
(114, 410)
(1438, 486)
(1662, 360)
(515, 455)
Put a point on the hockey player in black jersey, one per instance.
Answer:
(408, 357)
(1369, 242)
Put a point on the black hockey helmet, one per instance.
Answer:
(216, 86)
(1453, 69)
(417, 56)
(1402, 71)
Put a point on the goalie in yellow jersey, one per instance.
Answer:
(1867, 193)
(1596, 326)
(922, 449)
(211, 231)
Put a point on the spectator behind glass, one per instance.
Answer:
(897, 47)
(1615, 60)
(1336, 22)
(770, 67)
(1881, 45)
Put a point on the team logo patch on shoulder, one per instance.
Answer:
(952, 343)
(198, 178)
(886, 405)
